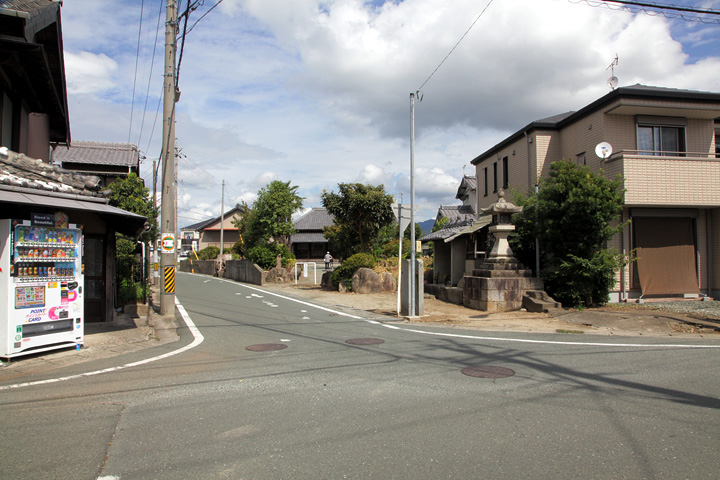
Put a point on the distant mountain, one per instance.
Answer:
(427, 225)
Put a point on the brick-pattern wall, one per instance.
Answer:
(671, 181)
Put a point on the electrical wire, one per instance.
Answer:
(152, 63)
(137, 58)
(656, 9)
(203, 16)
(458, 43)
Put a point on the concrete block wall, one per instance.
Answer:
(244, 271)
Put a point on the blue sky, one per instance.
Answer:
(317, 92)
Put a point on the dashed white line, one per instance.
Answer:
(478, 337)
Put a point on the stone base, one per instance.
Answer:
(499, 285)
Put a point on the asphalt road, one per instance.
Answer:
(398, 406)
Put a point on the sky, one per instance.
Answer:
(317, 92)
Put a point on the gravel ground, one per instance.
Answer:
(695, 309)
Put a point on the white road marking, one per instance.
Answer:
(477, 337)
(198, 339)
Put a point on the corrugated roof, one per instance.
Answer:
(99, 153)
(315, 219)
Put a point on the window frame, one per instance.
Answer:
(659, 126)
(506, 172)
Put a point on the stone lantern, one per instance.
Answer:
(502, 226)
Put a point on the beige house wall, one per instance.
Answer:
(690, 181)
(714, 219)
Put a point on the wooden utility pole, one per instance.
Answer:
(168, 228)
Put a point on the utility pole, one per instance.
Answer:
(411, 304)
(167, 214)
(222, 221)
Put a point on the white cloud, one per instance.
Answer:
(89, 73)
(317, 92)
(373, 175)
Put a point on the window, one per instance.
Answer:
(506, 175)
(661, 136)
(485, 187)
(495, 179)
(581, 159)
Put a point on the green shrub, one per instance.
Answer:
(351, 265)
(208, 253)
(265, 255)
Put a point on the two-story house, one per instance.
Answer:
(664, 144)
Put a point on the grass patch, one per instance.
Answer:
(562, 330)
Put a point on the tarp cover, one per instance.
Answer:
(666, 256)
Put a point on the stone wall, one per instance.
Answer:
(240, 270)
(244, 271)
(203, 267)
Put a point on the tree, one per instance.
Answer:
(571, 217)
(359, 213)
(266, 228)
(130, 194)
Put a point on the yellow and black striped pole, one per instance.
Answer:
(169, 284)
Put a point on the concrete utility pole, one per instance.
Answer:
(222, 221)
(411, 290)
(167, 214)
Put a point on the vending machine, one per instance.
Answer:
(41, 285)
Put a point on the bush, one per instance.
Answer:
(265, 255)
(208, 253)
(351, 265)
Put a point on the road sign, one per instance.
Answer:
(168, 242)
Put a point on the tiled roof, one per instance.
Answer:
(25, 5)
(456, 213)
(308, 238)
(18, 170)
(98, 153)
(315, 219)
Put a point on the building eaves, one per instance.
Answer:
(549, 123)
(637, 91)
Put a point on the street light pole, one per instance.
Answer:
(167, 214)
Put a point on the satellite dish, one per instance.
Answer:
(612, 82)
(603, 150)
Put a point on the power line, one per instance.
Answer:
(137, 58)
(203, 16)
(152, 63)
(458, 43)
(656, 9)
(666, 7)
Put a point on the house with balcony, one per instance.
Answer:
(664, 143)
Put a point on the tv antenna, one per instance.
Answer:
(612, 81)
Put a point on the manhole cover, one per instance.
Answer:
(364, 341)
(266, 347)
(488, 372)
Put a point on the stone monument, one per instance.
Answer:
(501, 281)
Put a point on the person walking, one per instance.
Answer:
(328, 261)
